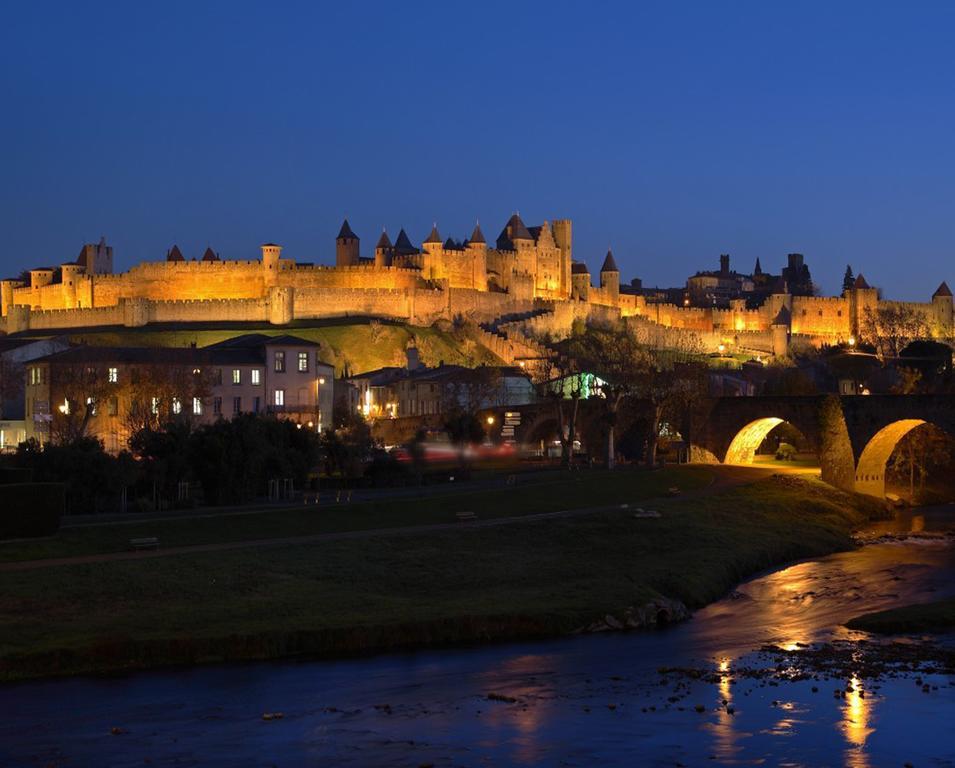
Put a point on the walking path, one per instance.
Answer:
(724, 477)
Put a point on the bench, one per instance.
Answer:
(147, 542)
(464, 517)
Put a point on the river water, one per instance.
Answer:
(582, 701)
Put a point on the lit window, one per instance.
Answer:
(112, 375)
(154, 406)
(280, 362)
(280, 397)
(236, 376)
(303, 362)
(196, 406)
(91, 404)
(176, 405)
(256, 376)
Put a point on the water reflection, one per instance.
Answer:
(855, 724)
(723, 731)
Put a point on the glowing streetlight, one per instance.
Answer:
(722, 348)
(490, 419)
(852, 341)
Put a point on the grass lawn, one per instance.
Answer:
(546, 492)
(922, 617)
(363, 345)
(467, 584)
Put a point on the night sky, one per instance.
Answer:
(671, 132)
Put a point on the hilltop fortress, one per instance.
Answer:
(524, 284)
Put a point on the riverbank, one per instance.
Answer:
(938, 616)
(525, 579)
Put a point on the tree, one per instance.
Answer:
(616, 358)
(908, 381)
(920, 451)
(158, 394)
(561, 382)
(848, 280)
(891, 327)
(83, 388)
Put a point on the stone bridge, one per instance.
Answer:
(853, 435)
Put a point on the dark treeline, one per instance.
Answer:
(228, 462)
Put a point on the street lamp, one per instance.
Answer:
(490, 419)
(852, 341)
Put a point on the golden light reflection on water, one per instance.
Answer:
(519, 722)
(725, 734)
(855, 724)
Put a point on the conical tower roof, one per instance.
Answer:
(758, 270)
(403, 243)
(783, 317)
(210, 255)
(174, 254)
(860, 283)
(477, 236)
(942, 290)
(518, 230)
(609, 264)
(434, 237)
(345, 232)
(384, 241)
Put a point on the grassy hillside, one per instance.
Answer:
(361, 344)
(528, 578)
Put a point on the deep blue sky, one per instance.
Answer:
(671, 131)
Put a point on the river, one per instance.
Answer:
(582, 701)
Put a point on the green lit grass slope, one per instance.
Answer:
(361, 344)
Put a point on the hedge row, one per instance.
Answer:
(31, 509)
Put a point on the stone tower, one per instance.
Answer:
(97, 258)
(271, 254)
(563, 237)
(610, 277)
(432, 249)
(942, 307)
(477, 251)
(863, 300)
(580, 279)
(383, 250)
(346, 247)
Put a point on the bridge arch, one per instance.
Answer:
(870, 471)
(742, 448)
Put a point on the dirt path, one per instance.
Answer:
(724, 477)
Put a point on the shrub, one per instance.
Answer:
(31, 509)
(785, 452)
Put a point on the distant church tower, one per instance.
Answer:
(346, 247)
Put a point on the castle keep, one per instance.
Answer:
(524, 283)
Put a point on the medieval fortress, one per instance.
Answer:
(525, 284)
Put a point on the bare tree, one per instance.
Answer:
(919, 452)
(157, 394)
(891, 327)
(84, 388)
